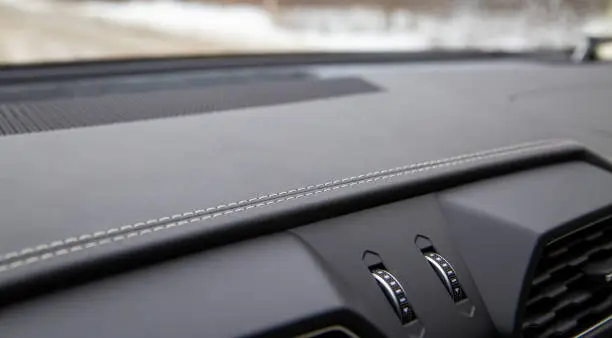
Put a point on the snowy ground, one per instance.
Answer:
(34, 30)
(353, 28)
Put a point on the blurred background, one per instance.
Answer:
(33, 31)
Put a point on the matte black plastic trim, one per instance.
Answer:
(104, 68)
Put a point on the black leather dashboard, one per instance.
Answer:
(254, 221)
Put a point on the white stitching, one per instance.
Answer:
(430, 165)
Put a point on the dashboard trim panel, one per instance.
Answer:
(83, 242)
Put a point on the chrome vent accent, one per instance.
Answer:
(572, 287)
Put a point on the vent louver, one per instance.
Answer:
(571, 291)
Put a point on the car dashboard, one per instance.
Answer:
(466, 198)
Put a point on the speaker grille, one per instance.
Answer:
(28, 117)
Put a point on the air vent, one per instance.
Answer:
(571, 292)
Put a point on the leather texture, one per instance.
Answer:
(130, 245)
(85, 195)
(177, 297)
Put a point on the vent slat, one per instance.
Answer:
(565, 299)
(572, 300)
(540, 280)
(539, 321)
(604, 306)
(539, 290)
(578, 316)
(561, 330)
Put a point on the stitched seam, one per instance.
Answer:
(180, 217)
(26, 256)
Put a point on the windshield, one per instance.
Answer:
(35, 31)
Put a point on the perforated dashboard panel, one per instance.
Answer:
(52, 114)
